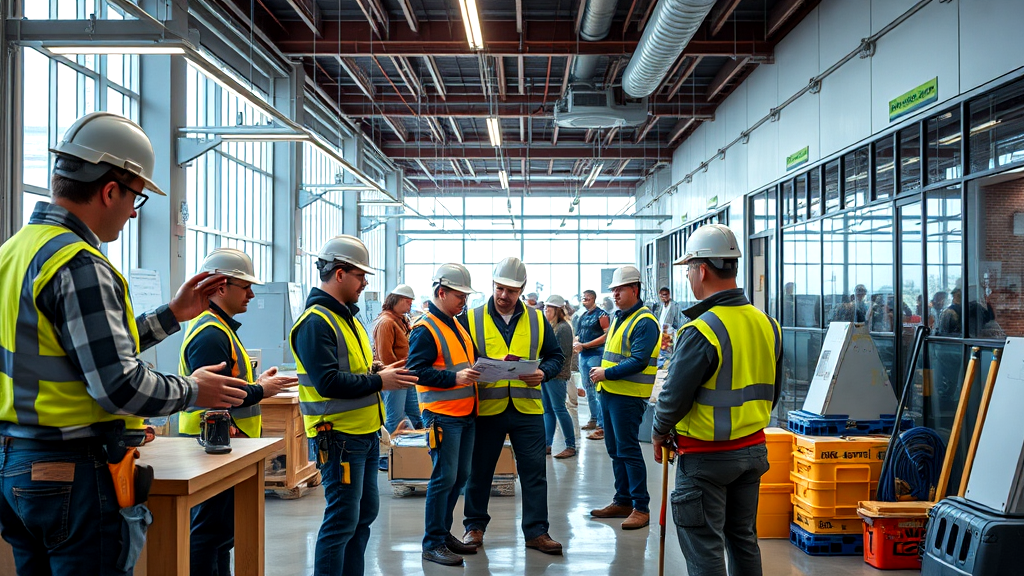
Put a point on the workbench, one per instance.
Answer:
(282, 419)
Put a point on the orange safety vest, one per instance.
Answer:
(452, 355)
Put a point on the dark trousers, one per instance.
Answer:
(351, 507)
(526, 431)
(60, 525)
(451, 471)
(622, 416)
(213, 535)
(714, 505)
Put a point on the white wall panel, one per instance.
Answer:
(799, 126)
(796, 56)
(845, 97)
(841, 25)
(762, 96)
(990, 43)
(734, 111)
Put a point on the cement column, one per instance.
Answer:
(352, 150)
(288, 162)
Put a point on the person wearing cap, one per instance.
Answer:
(340, 402)
(504, 328)
(69, 349)
(555, 412)
(722, 384)
(441, 355)
(625, 381)
(390, 345)
(212, 339)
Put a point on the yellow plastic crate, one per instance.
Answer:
(780, 456)
(825, 525)
(825, 511)
(831, 494)
(774, 511)
(847, 449)
(836, 471)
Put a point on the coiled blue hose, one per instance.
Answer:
(916, 461)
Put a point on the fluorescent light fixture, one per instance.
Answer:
(111, 49)
(471, 20)
(494, 132)
(594, 173)
(503, 176)
(379, 203)
(263, 137)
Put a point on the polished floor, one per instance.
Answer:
(575, 486)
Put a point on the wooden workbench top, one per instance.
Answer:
(181, 466)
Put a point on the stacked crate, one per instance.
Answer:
(774, 509)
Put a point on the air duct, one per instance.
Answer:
(596, 24)
(669, 30)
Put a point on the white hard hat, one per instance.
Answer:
(555, 300)
(404, 290)
(714, 242)
(455, 277)
(624, 275)
(102, 140)
(510, 272)
(346, 249)
(230, 262)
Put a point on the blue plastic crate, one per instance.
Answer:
(826, 544)
(811, 424)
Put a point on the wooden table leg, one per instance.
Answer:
(167, 541)
(249, 524)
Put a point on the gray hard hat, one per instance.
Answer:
(624, 275)
(713, 242)
(101, 141)
(455, 277)
(555, 300)
(230, 262)
(348, 250)
(404, 290)
(510, 272)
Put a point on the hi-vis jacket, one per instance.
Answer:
(453, 356)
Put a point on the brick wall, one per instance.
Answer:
(997, 243)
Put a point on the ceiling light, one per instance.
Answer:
(265, 137)
(503, 176)
(471, 20)
(115, 49)
(494, 131)
(594, 172)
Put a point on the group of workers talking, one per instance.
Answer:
(73, 389)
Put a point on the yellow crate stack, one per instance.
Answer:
(774, 509)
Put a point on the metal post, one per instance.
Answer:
(11, 129)
(288, 163)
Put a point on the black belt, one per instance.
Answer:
(76, 445)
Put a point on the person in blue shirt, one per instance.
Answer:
(589, 344)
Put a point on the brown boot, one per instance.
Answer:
(473, 538)
(612, 510)
(569, 452)
(636, 520)
(545, 544)
(597, 434)
(592, 425)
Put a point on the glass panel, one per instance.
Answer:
(788, 200)
(801, 273)
(912, 292)
(910, 159)
(814, 191)
(997, 128)
(944, 161)
(859, 268)
(856, 178)
(801, 197)
(832, 186)
(944, 229)
(800, 350)
(885, 180)
(36, 119)
(759, 203)
(772, 207)
(996, 302)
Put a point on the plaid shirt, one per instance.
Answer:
(85, 303)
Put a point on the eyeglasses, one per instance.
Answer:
(140, 198)
(242, 286)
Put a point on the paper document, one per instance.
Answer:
(494, 370)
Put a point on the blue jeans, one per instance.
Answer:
(58, 527)
(554, 408)
(622, 416)
(526, 431)
(586, 363)
(451, 471)
(213, 535)
(400, 404)
(351, 507)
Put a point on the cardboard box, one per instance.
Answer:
(409, 459)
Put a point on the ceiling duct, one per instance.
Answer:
(669, 30)
(595, 26)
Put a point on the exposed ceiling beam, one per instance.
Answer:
(522, 129)
(727, 73)
(682, 77)
(579, 16)
(410, 15)
(371, 18)
(483, 151)
(629, 18)
(782, 11)
(481, 62)
(611, 136)
(551, 165)
(309, 13)
(622, 166)
(554, 137)
(423, 167)
(568, 72)
(519, 16)
(679, 129)
(469, 166)
(456, 169)
(499, 65)
(643, 129)
(358, 76)
(522, 75)
(398, 128)
(647, 15)
(436, 130)
(456, 129)
(408, 76)
(625, 184)
(721, 13)
(435, 73)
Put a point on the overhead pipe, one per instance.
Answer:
(595, 25)
(669, 30)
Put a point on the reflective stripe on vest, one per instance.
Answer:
(42, 393)
(495, 396)
(459, 400)
(618, 348)
(363, 415)
(736, 402)
(248, 419)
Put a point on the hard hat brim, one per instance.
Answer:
(684, 259)
(238, 275)
(333, 258)
(457, 287)
(510, 282)
(93, 171)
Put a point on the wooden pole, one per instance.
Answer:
(958, 424)
(664, 503)
(986, 398)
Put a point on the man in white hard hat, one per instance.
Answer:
(342, 410)
(75, 389)
(625, 381)
(441, 355)
(505, 328)
(721, 386)
(210, 340)
(390, 345)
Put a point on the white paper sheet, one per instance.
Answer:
(494, 370)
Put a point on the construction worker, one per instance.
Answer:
(72, 389)
(339, 397)
(721, 386)
(441, 355)
(505, 328)
(625, 381)
(212, 339)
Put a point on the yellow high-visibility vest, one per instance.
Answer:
(527, 341)
(618, 348)
(351, 416)
(737, 400)
(42, 393)
(249, 419)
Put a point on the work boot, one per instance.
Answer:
(549, 451)
(458, 547)
(597, 434)
(545, 544)
(473, 538)
(442, 555)
(569, 452)
(612, 510)
(636, 520)
(592, 425)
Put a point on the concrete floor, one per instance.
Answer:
(575, 486)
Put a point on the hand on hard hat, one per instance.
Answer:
(193, 298)
(217, 391)
(231, 262)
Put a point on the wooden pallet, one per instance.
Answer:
(504, 485)
(278, 486)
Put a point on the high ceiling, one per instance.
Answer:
(405, 71)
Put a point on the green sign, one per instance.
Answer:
(799, 157)
(712, 202)
(682, 219)
(923, 95)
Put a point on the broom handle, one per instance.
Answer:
(664, 505)
(986, 398)
(958, 425)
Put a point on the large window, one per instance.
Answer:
(320, 210)
(995, 308)
(944, 231)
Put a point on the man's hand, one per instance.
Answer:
(396, 377)
(597, 374)
(666, 441)
(466, 376)
(194, 295)
(376, 367)
(577, 346)
(216, 391)
(534, 378)
(273, 384)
